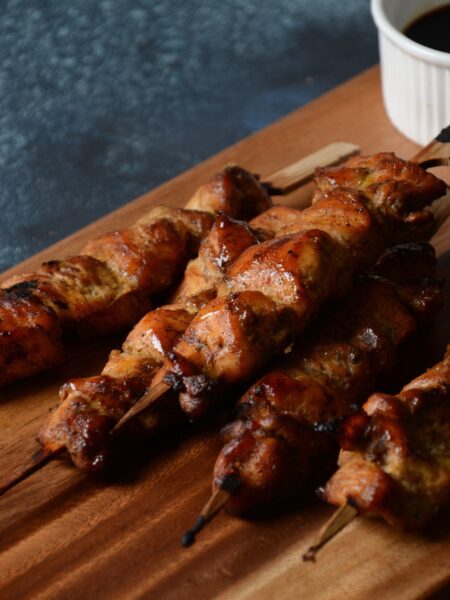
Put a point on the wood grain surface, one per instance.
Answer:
(65, 535)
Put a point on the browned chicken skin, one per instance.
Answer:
(283, 441)
(273, 290)
(90, 407)
(395, 457)
(109, 286)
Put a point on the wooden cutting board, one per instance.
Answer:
(65, 535)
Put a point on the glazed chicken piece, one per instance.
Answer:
(109, 286)
(283, 442)
(395, 457)
(397, 188)
(90, 407)
(275, 289)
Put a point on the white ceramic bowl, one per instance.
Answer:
(416, 79)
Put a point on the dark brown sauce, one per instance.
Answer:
(432, 29)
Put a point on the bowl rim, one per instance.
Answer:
(436, 57)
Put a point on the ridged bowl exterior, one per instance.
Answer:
(416, 90)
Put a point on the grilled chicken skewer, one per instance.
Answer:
(395, 457)
(90, 406)
(110, 284)
(283, 442)
(275, 289)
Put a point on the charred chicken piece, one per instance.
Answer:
(109, 286)
(283, 442)
(395, 457)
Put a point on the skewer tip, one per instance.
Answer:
(444, 135)
(148, 398)
(340, 519)
(211, 508)
(310, 554)
(437, 152)
(188, 538)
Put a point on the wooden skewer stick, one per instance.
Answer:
(282, 182)
(211, 508)
(437, 153)
(216, 502)
(297, 174)
(148, 398)
(38, 460)
(341, 518)
(441, 211)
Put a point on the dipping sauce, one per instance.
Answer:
(432, 29)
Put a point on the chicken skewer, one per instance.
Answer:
(89, 407)
(395, 457)
(282, 443)
(109, 286)
(272, 291)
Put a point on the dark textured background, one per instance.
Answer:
(102, 100)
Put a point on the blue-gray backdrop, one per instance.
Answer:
(102, 100)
